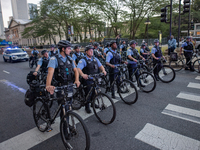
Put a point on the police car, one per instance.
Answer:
(14, 54)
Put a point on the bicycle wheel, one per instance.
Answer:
(76, 103)
(30, 64)
(177, 65)
(128, 92)
(146, 82)
(74, 132)
(106, 111)
(40, 116)
(196, 65)
(166, 74)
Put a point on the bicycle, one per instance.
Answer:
(166, 73)
(145, 80)
(72, 127)
(125, 88)
(33, 62)
(103, 106)
(181, 63)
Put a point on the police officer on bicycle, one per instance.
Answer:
(107, 48)
(156, 54)
(34, 54)
(42, 63)
(143, 51)
(98, 52)
(133, 56)
(188, 52)
(53, 51)
(87, 66)
(113, 58)
(77, 55)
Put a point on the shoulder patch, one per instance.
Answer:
(52, 58)
(80, 61)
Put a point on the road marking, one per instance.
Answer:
(197, 78)
(6, 72)
(182, 113)
(194, 85)
(165, 139)
(13, 86)
(189, 96)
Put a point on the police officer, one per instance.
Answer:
(146, 47)
(107, 48)
(87, 66)
(42, 63)
(97, 52)
(133, 56)
(34, 54)
(143, 51)
(77, 55)
(53, 51)
(156, 54)
(123, 49)
(113, 58)
(188, 52)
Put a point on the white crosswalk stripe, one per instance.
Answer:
(189, 96)
(194, 85)
(165, 139)
(197, 78)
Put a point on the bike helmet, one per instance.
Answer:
(76, 46)
(88, 47)
(188, 37)
(112, 42)
(64, 43)
(132, 42)
(143, 45)
(43, 51)
(156, 41)
(95, 44)
(52, 45)
(107, 44)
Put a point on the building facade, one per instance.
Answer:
(20, 9)
(32, 11)
(1, 24)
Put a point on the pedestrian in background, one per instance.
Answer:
(171, 45)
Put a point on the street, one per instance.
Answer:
(167, 118)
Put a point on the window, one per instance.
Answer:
(198, 27)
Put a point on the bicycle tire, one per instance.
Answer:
(72, 127)
(103, 112)
(30, 64)
(177, 66)
(40, 115)
(162, 74)
(146, 82)
(124, 88)
(196, 65)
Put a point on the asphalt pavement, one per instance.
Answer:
(167, 118)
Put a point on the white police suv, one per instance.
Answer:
(14, 54)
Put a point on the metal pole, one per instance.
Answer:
(147, 35)
(179, 21)
(170, 30)
(188, 34)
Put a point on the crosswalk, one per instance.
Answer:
(164, 139)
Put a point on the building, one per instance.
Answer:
(1, 24)
(197, 29)
(32, 11)
(20, 9)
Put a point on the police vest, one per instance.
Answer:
(107, 50)
(144, 52)
(116, 58)
(159, 52)
(35, 53)
(147, 49)
(91, 66)
(45, 62)
(78, 57)
(53, 54)
(97, 53)
(124, 48)
(134, 55)
(64, 74)
(189, 46)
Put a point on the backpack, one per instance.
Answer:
(29, 98)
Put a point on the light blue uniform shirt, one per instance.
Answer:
(53, 62)
(130, 52)
(106, 49)
(74, 57)
(41, 60)
(109, 55)
(53, 52)
(154, 50)
(121, 46)
(35, 51)
(172, 43)
(82, 63)
(185, 44)
(141, 50)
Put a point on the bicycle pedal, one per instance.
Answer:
(49, 129)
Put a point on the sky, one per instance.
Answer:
(7, 9)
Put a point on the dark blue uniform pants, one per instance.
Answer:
(158, 67)
(188, 56)
(87, 90)
(113, 74)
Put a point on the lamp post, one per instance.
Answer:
(147, 22)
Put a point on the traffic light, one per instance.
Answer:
(192, 25)
(186, 6)
(164, 14)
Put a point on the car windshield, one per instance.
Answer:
(16, 51)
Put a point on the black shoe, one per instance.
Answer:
(95, 105)
(88, 110)
(142, 85)
(192, 69)
(186, 68)
(113, 96)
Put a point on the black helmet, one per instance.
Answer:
(143, 45)
(188, 37)
(76, 46)
(43, 51)
(156, 41)
(88, 47)
(95, 44)
(132, 42)
(112, 42)
(107, 44)
(64, 43)
(123, 41)
(52, 45)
